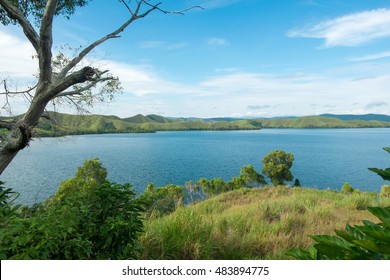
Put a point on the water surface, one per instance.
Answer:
(324, 158)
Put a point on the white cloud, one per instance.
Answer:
(16, 57)
(349, 30)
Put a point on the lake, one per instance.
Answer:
(324, 158)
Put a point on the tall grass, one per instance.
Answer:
(253, 223)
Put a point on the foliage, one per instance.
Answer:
(385, 174)
(88, 218)
(369, 241)
(7, 207)
(35, 9)
(277, 166)
(297, 183)
(385, 191)
(250, 177)
(347, 188)
(163, 200)
(217, 186)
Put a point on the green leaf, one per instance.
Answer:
(301, 254)
(332, 241)
(383, 213)
(376, 232)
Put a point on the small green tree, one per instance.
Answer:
(250, 177)
(347, 188)
(163, 200)
(277, 166)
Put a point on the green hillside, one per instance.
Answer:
(320, 122)
(57, 124)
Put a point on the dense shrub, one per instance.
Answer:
(347, 188)
(277, 165)
(163, 200)
(88, 218)
(385, 191)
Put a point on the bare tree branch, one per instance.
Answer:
(15, 14)
(134, 16)
(46, 42)
(85, 74)
(180, 12)
(85, 88)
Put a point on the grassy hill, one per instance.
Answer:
(57, 124)
(260, 223)
(367, 117)
(61, 124)
(321, 122)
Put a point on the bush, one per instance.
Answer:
(88, 218)
(385, 191)
(347, 188)
(163, 200)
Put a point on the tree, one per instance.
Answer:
(250, 177)
(277, 166)
(60, 79)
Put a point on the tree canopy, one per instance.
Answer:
(277, 166)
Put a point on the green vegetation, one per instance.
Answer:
(88, 218)
(64, 124)
(277, 166)
(370, 241)
(385, 174)
(385, 191)
(56, 124)
(347, 188)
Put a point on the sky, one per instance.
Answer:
(233, 58)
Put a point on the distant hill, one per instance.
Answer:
(321, 122)
(57, 124)
(367, 117)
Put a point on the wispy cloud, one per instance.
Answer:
(214, 4)
(258, 107)
(161, 45)
(371, 56)
(375, 104)
(217, 42)
(349, 30)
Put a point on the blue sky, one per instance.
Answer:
(257, 58)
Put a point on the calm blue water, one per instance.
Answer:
(324, 158)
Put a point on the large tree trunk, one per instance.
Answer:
(20, 132)
(17, 139)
